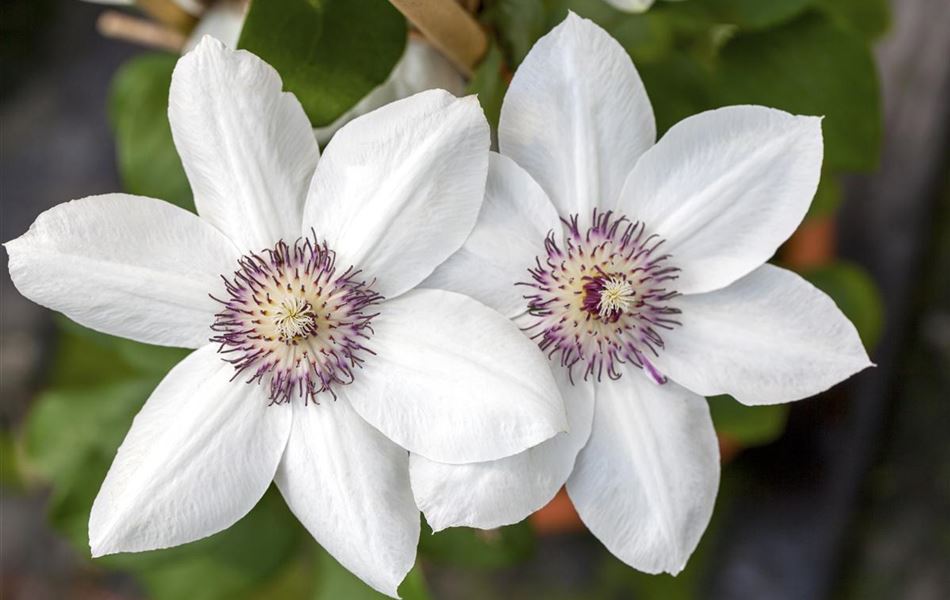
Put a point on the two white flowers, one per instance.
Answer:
(413, 322)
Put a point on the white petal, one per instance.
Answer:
(512, 225)
(198, 457)
(725, 188)
(576, 116)
(125, 265)
(247, 147)
(504, 491)
(455, 381)
(768, 338)
(421, 68)
(398, 190)
(349, 486)
(631, 6)
(646, 482)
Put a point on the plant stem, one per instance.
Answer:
(448, 27)
(117, 25)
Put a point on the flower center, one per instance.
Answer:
(293, 320)
(601, 298)
(608, 296)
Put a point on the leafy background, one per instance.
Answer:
(804, 56)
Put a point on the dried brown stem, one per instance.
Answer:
(448, 27)
(117, 25)
(168, 13)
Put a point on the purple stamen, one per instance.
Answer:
(601, 296)
(292, 319)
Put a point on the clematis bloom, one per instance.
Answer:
(638, 266)
(319, 364)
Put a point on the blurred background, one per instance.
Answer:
(842, 496)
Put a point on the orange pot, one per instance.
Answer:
(812, 245)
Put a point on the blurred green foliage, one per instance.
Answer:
(805, 56)
(138, 109)
(488, 85)
(827, 198)
(854, 292)
(476, 548)
(747, 426)
(809, 66)
(331, 581)
(867, 18)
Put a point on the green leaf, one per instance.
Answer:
(596, 10)
(70, 438)
(755, 14)
(295, 579)
(335, 581)
(855, 294)
(138, 106)
(479, 548)
(489, 83)
(869, 18)
(678, 86)
(329, 53)
(809, 67)
(518, 25)
(147, 359)
(233, 563)
(827, 198)
(645, 37)
(414, 586)
(82, 361)
(69, 428)
(748, 425)
(9, 466)
(86, 357)
(98, 383)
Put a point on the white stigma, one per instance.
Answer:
(617, 296)
(294, 318)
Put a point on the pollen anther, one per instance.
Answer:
(294, 318)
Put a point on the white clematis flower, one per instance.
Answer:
(325, 362)
(643, 279)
